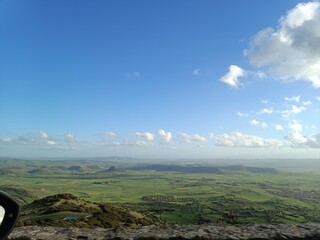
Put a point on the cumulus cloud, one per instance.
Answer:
(166, 136)
(146, 135)
(30, 139)
(292, 50)
(296, 127)
(278, 127)
(231, 78)
(192, 138)
(257, 123)
(297, 139)
(70, 138)
(44, 138)
(296, 110)
(196, 72)
(238, 139)
(293, 111)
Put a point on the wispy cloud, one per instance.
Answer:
(307, 103)
(133, 75)
(241, 114)
(196, 72)
(109, 134)
(292, 99)
(70, 138)
(266, 111)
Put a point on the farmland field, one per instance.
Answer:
(181, 194)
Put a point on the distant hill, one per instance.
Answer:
(203, 169)
(21, 195)
(178, 168)
(237, 168)
(66, 210)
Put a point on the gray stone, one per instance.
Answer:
(173, 232)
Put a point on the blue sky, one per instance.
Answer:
(160, 79)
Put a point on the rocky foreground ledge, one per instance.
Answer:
(252, 231)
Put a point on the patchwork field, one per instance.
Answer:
(183, 194)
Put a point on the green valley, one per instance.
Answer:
(181, 193)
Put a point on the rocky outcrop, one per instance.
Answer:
(253, 231)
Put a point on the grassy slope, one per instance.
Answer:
(175, 197)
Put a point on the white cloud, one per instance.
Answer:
(192, 138)
(43, 135)
(231, 78)
(257, 123)
(278, 127)
(266, 111)
(318, 98)
(293, 111)
(70, 138)
(50, 142)
(109, 134)
(6, 140)
(196, 72)
(260, 74)
(241, 114)
(238, 139)
(296, 127)
(296, 138)
(292, 99)
(146, 135)
(291, 51)
(296, 110)
(141, 143)
(167, 136)
(314, 128)
(212, 135)
(307, 103)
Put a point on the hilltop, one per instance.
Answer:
(66, 210)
